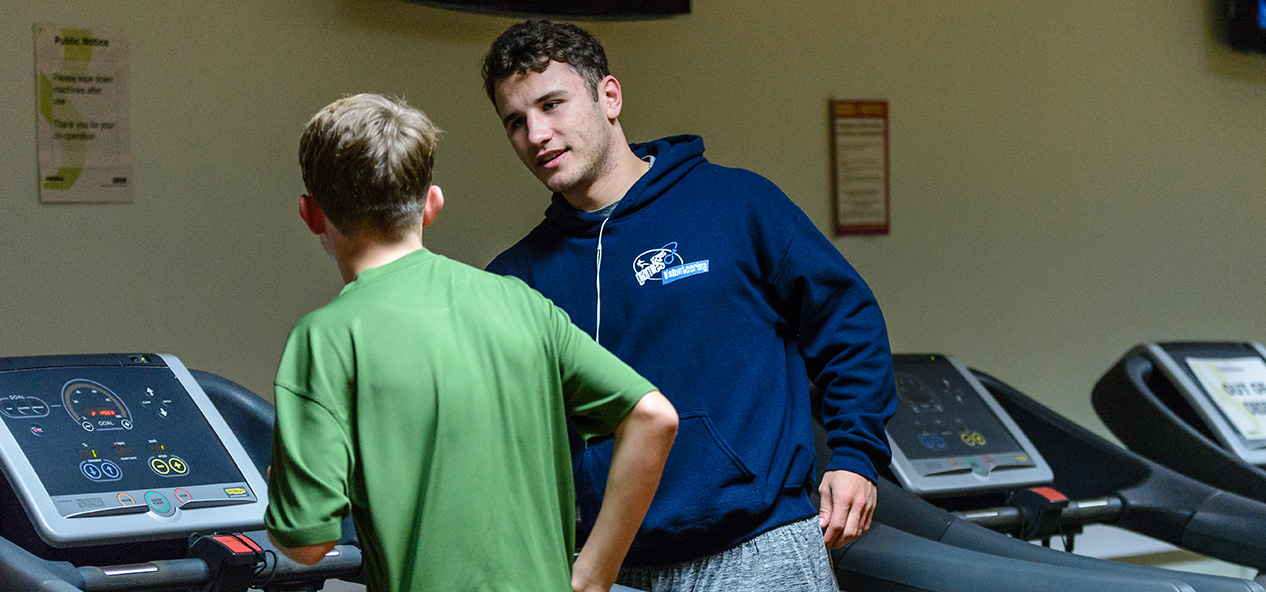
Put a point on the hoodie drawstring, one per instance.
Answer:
(597, 324)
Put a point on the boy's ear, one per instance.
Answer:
(312, 214)
(434, 202)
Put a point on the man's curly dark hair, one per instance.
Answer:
(532, 45)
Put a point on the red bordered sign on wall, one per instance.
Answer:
(859, 166)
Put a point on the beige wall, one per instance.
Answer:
(1068, 178)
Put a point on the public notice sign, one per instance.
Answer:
(82, 121)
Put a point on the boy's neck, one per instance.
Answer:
(356, 255)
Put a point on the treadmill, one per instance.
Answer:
(1198, 407)
(122, 474)
(181, 507)
(985, 457)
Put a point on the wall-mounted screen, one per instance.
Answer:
(1246, 24)
(603, 9)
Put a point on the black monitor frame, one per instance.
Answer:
(1246, 25)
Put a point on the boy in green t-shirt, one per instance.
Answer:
(429, 399)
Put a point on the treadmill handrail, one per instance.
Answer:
(888, 558)
(1161, 502)
(343, 563)
(1137, 416)
(163, 574)
(905, 511)
(25, 571)
(1078, 513)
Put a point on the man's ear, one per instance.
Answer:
(610, 97)
(312, 214)
(434, 202)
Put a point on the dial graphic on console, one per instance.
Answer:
(94, 407)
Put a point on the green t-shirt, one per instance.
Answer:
(431, 397)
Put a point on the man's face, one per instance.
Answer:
(557, 129)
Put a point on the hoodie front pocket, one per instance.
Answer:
(704, 480)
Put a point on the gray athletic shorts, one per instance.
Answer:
(788, 558)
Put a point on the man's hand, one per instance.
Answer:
(848, 502)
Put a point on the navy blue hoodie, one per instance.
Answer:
(721, 292)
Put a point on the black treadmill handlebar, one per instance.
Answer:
(1157, 423)
(1093, 511)
(1158, 502)
(343, 563)
(1078, 513)
(1001, 519)
(23, 571)
(1217, 528)
(152, 575)
(40, 575)
(887, 558)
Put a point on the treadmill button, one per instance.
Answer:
(110, 470)
(973, 438)
(183, 496)
(978, 466)
(158, 503)
(931, 441)
(126, 499)
(90, 470)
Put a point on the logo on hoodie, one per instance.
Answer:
(665, 265)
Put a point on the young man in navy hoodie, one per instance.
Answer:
(714, 285)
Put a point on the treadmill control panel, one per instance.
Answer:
(120, 447)
(949, 436)
(1225, 382)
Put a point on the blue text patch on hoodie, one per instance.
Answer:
(666, 265)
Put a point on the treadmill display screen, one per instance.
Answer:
(942, 424)
(1233, 377)
(108, 441)
(102, 429)
(120, 448)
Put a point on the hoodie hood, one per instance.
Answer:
(674, 157)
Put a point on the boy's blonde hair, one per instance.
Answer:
(367, 161)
